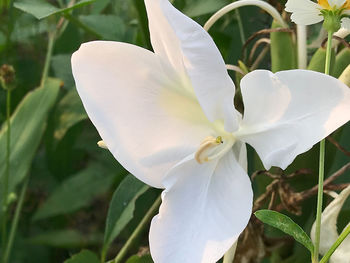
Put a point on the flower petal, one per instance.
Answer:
(139, 108)
(304, 12)
(190, 49)
(329, 232)
(205, 208)
(345, 22)
(336, 3)
(288, 112)
(342, 253)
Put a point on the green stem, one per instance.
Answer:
(7, 168)
(240, 26)
(336, 244)
(49, 51)
(329, 53)
(15, 221)
(139, 229)
(321, 164)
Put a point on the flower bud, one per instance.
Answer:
(331, 21)
(7, 77)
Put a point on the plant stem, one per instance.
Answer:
(302, 49)
(336, 244)
(321, 164)
(15, 221)
(7, 168)
(139, 229)
(329, 53)
(49, 51)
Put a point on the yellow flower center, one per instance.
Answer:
(212, 148)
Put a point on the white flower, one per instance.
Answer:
(307, 12)
(329, 232)
(168, 118)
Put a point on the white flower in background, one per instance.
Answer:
(307, 12)
(329, 232)
(168, 117)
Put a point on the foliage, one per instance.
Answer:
(79, 197)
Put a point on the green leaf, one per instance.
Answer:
(318, 60)
(68, 112)
(77, 191)
(41, 8)
(283, 50)
(203, 7)
(85, 256)
(287, 225)
(140, 259)
(110, 27)
(122, 206)
(341, 62)
(27, 126)
(62, 69)
(66, 238)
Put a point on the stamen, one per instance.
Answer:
(212, 148)
(102, 144)
(201, 155)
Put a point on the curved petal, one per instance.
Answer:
(342, 253)
(345, 23)
(288, 112)
(304, 12)
(190, 49)
(336, 3)
(135, 101)
(329, 232)
(205, 208)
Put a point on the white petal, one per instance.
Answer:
(286, 113)
(186, 44)
(304, 12)
(329, 232)
(204, 210)
(345, 23)
(336, 3)
(142, 113)
(342, 253)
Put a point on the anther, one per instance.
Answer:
(207, 144)
(102, 144)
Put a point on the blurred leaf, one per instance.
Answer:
(341, 62)
(140, 259)
(85, 256)
(27, 26)
(203, 7)
(41, 8)
(282, 49)
(27, 126)
(318, 60)
(99, 5)
(122, 206)
(68, 112)
(77, 191)
(65, 239)
(287, 225)
(110, 27)
(62, 69)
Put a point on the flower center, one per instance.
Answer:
(212, 148)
